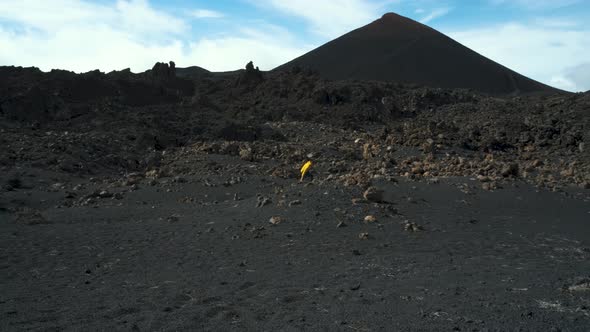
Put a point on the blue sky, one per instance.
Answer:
(548, 40)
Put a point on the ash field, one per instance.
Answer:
(447, 192)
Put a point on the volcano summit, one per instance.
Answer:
(397, 49)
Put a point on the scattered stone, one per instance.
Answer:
(58, 186)
(153, 174)
(275, 220)
(233, 181)
(510, 170)
(179, 179)
(295, 202)
(417, 170)
(483, 178)
(412, 227)
(489, 185)
(364, 236)
(369, 151)
(433, 180)
(568, 172)
(428, 146)
(355, 286)
(246, 154)
(87, 201)
(173, 218)
(263, 201)
(340, 224)
(356, 201)
(30, 217)
(372, 194)
(370, 219)
(580, 285)
(105, 194)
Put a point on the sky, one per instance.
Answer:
(547, 40)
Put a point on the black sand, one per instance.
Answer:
(186, 256)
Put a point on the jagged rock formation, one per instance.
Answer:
(251, 76)
(164, 70)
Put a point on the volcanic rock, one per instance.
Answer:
(275, 220)
(246, 154)
(263, 201)
(30, 217)
(34, 105)
(370, 219)
(251, 76)
(412, 227)
(510, 170)
(372, 194)
(164, 70)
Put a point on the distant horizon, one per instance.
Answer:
(547, 41)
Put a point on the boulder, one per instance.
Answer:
(372, 194)
(510, 170)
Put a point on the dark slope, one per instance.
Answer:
(192, 72)
(395, 48)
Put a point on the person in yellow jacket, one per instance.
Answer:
(305, 169)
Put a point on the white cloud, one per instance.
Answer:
(537, 4)
(579, 76)
(267, 45)
(232, 53)
(543, 53)
(206, 13)
(330, 18)
(435, 14)
(556, 22)
(80, 36)
(132, 16)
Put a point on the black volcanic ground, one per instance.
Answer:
(170, 200)
(396, 48)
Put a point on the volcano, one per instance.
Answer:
(397, 49)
